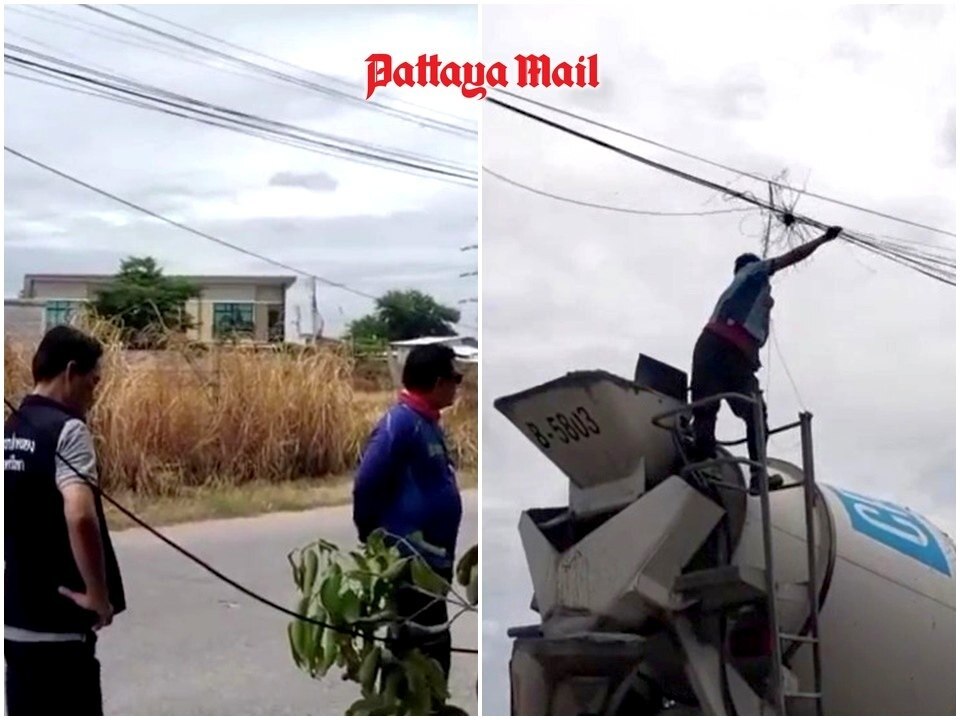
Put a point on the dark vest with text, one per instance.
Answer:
(38, 559)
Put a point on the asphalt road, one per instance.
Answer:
(191, 645)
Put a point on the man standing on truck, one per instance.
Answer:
(727, 354)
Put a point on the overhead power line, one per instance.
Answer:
(194, 231)
(746, 197)
(186, 228)
(124, 84)
(612, 208)
(302, 82)
(179, 52)
(721, 166)
(330, 78)
(131, 39)
(289, 141)
(939, 269)
(330, 144)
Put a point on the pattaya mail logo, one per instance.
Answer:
(474, 79)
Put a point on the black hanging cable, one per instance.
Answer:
(187, 228)
(370, 104)
(612, 208)
(855, 238)
(329, 78)
(130, 39)
(59, 83)
(401, 159)
(746, 197)
(936, 273)
(124, 84)
(940, 255)
(215, 121)
(936, 264)
(205, 565)
(907, 241)
(199, 233)
(721, 166)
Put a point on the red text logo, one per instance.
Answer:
(474, 79)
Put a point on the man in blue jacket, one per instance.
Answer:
(406, 483)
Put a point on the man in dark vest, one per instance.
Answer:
(61, 579)
(727, 355)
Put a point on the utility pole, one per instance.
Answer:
(766, 235)
(474, 273)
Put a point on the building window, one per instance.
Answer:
(232, 319)
(275, 322)
(61, 312)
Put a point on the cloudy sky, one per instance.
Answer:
(857, 103)
(367, 227)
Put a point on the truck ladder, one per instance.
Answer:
(698, 470)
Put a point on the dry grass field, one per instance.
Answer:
(276, 427)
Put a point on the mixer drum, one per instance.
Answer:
(887, 619)
(888, 616)
(630, 577)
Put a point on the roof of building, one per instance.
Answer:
(284, 280)
(450, 340)
(463, 346)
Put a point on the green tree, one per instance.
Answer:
(353, 594)
(142, 301)
(402, 315)
(369, 330)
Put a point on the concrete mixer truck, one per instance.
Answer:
(665, 587)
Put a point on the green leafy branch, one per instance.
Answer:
(354, 594)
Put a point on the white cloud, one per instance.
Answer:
(219, 181)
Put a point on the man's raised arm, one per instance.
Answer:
(805, 250)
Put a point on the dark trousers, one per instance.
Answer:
(52, 678)
(719, 366)
(424, 610)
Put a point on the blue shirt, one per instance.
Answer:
(747, 301)
(406, 484)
